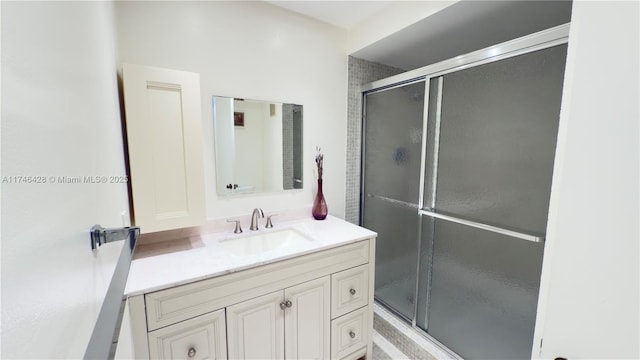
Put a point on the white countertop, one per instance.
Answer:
(209, 259)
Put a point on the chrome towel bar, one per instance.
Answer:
(537, 238)
(495, 229)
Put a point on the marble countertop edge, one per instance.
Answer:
(200, 256)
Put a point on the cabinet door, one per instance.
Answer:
(164, 132)
(255, 328)
(307, 320)
(198, 338)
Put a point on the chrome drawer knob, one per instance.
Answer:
(352, 334)
(352, 291)
(285, 304)
(192, 352)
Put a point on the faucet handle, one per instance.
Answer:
(238, 228)
(269, 224)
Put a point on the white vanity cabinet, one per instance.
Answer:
(163, 121)
(312, 306)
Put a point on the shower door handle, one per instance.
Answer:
(512, 233)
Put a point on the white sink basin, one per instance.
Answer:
(264, 242)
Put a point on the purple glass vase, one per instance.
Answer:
(319, 210)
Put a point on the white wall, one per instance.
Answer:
(589, 304)
(284, 57)
(60, 117)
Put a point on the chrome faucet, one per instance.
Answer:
(257, 212)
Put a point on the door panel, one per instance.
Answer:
(498, 130)
(308, 319)
(497, 136)
(393, 142)
(392, 155)
(255, 328)
(484, 290)
(396, 253)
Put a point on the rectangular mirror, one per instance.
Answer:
(258, 146)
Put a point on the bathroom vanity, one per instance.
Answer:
(301, 290)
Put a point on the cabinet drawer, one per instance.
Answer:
(200, 338)
(349, 333)
(349, 290)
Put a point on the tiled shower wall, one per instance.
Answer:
(360, 72)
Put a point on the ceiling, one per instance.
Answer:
(344, 14)
(465, 26)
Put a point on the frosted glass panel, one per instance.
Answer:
(484, 290)
(393, 141)
(396, 255)
(498, 133)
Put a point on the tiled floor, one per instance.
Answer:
(379, 354)
(394, 339)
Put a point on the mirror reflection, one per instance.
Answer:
(258, 146)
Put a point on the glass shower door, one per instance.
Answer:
(488, 202)
(392, 159)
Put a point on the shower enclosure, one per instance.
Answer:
(457, 167)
